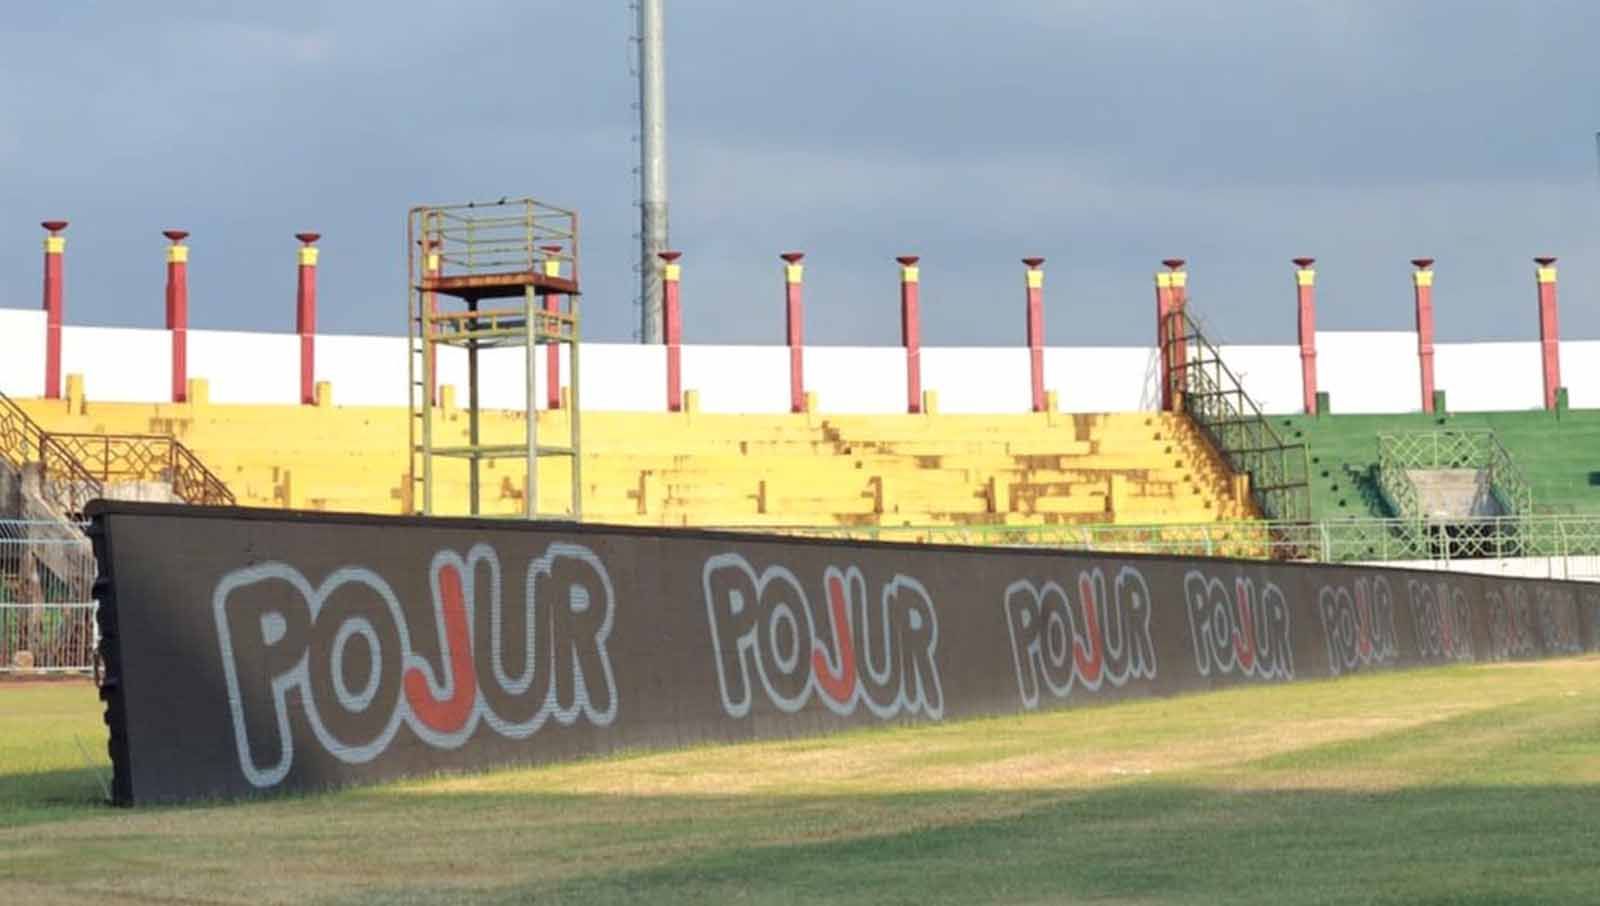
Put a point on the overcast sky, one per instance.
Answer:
(1101, 134)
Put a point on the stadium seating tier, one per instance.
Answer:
(699, 469)
(1558, 453)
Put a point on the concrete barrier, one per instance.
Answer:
(256, 651)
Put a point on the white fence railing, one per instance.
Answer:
(1334, 541)
(47, 638)
(47, 620)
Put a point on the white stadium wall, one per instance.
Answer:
(1580, 372)
(364, 371)
(1103, 378)
(1270, 374)
(735, 378)
(1362, 372)
(854, 380)
(21, 352)
(1489, 376)
(979, 380)
(123, 365)
(241, 367)
(1369, 372)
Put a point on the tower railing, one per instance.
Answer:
(1203, 386)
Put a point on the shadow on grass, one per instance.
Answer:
(1149, 842)
(1458, 829)
(58, 795)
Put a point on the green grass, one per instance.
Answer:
(1457, 785)
(53, 758)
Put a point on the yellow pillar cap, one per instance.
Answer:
(177, 254)
(308, 256)
(1163, 280)
(1035, 278)
(794, 273)
(1547, 275)
(1305, 277)
(433, 261)
(552, 267)
(55, 245)
(1423, 278)
(672, 273)
(910, 274)
(1180, 279)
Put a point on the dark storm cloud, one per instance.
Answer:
(1103, 135)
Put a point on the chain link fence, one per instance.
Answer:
(47, 613)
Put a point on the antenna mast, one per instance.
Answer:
(652, 165)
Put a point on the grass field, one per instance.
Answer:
(1460, 785)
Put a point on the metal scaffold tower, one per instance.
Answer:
(486, 277)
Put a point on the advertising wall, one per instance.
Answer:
(252, 652)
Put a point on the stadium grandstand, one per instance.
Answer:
(1183, 446)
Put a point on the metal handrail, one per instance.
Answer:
(1216, 401)
(75, 468)
(1397, 489)
(1507, 480)
(193, 482)
(114, 458)
(65, 485)
(1471, 448)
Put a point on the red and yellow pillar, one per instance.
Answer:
(306, 316)
(1549, 329)
(55, 248)
(1172, 294)
(794, 308)
(911, 328)
(1163, 317)
(1305, 279)
(178, 311)
(552, 351)
(672, 322)
(1035, 314)
(1422, 281)
(1180, 282)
